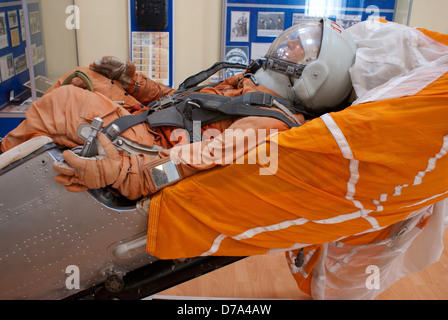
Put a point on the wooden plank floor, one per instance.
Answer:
(268, 277)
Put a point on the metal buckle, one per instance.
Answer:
(166, 100)
(300, 259)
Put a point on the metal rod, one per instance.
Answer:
(156, 277)
(409, 13)
(29, 52)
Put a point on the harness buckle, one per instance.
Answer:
(258, 99)
(164, 102)
(300, 259)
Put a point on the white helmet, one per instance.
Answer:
(310, 63)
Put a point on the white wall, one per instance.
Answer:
(103, 29)
(197, 36)
(430, 14)
(60, 42)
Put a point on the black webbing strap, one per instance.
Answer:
(196, 79)
(128, 121)
(261, 99)
(243, 106)
(252, 111)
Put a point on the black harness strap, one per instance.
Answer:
(250, 111)
(206, 108)
(196, 79)
(128, 121)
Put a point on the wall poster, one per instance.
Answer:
(152, 50)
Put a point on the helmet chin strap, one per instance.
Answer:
(292, 96)
(277, 82)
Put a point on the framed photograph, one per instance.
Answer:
(3, 33)
(298, 18)
(20, 64)
(240, 26)
(7, 67)
(270, 24)
(236, 55)
(15, 38)
(22, 24)
(40, 54)
(34, 22)
(13, 19)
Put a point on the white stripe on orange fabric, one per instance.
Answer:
(419, 177)
(338, 136)
(215, 246)
(432, 162)
(426, 200)
(354, 177)
(281, 226)
(354, 166)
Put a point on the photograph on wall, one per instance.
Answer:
(298, 18)
(15, 38)
(236, 55)
(40, 54)
(22, 24)
(3, 33)
(20, 64)
(34, 22)
(7, 67)
(34, 53)
(240, 26)
(270, 24)
(13, 19)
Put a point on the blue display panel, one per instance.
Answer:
(14, 71)
(152, 51)
(251, 25)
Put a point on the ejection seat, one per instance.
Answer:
(56, 244)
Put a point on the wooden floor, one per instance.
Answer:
(268, 277)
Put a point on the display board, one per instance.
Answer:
(151, 50)
(250, 26)
(14, 68)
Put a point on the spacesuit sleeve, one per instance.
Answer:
(148, 175)
(224, 148)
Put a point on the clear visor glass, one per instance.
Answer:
(299, 44)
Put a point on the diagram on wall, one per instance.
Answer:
(150, 54)
(250, 26)
(151, 49)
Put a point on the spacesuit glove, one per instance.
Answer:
(114, 69)
(79, 174)
(147, 175)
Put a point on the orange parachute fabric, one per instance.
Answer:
(346, 176)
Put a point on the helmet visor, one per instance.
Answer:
(299, 44)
